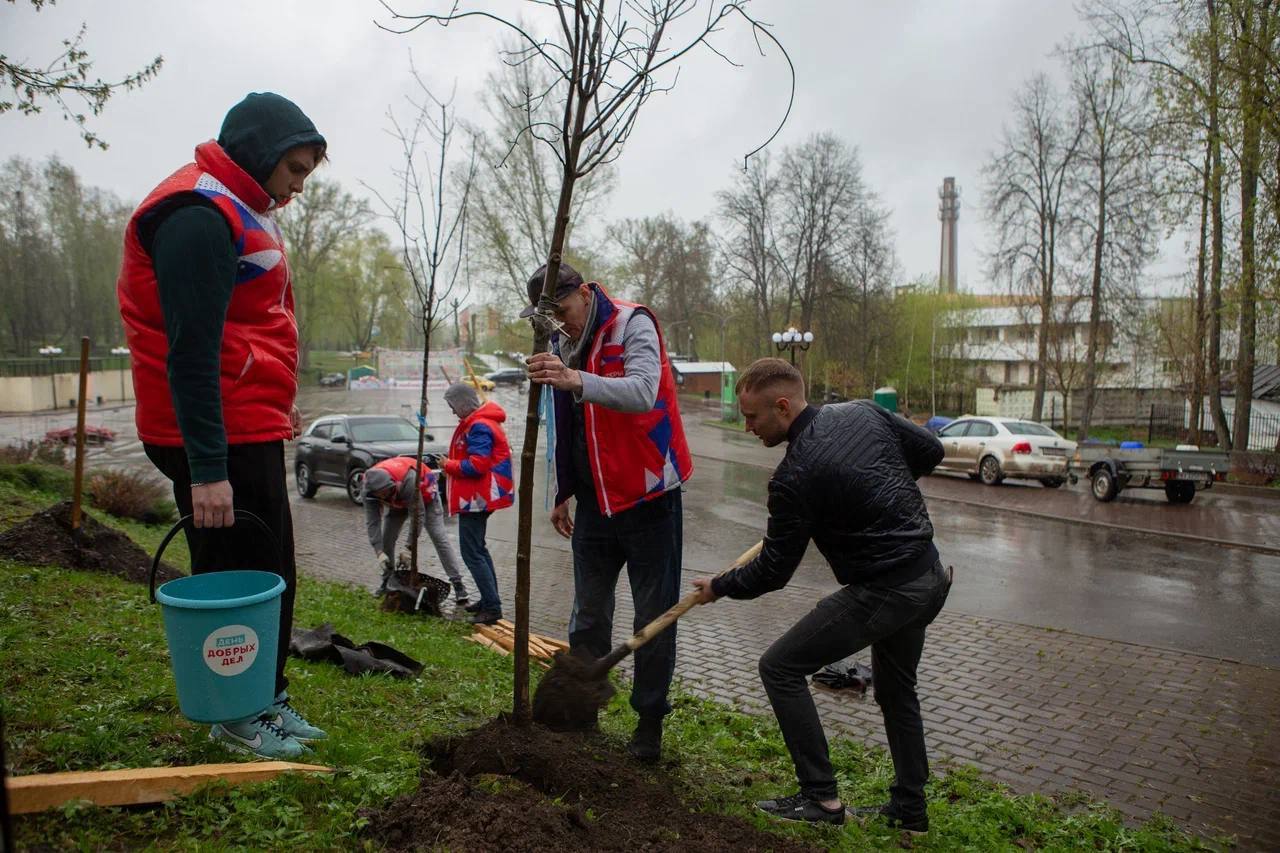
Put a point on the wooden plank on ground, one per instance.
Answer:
(510, 627)
(42, 791)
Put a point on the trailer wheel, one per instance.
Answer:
(1104, 485)
(1180, 492)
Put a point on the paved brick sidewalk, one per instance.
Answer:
(1143, 728)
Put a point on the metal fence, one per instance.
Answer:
(46, 366)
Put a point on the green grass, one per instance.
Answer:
(1134, 433)
(86, 686)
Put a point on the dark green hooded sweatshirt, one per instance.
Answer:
(195, 263)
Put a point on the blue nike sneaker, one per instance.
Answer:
(259, 737)
(294, 724)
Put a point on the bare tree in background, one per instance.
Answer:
(666, 264)
(1115, 216)
(820, 191)
(314, 225)
(604, 60)
(429, 211)
(869, 264)
(749, 252)
(1026, 187)
(514, 199)
(66, 76)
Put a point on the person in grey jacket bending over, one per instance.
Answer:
(388, 492)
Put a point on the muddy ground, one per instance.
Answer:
(45, 539)
(524, 789)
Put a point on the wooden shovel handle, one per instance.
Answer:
(684, 605)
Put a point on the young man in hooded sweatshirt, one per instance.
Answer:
(207, 304)
(480, 482)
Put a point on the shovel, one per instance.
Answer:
(575, 688)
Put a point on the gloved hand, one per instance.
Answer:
(384, 562)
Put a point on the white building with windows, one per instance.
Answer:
(998, 347)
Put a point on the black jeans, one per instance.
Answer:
(649, 539)
(258, 484)
(892, 621)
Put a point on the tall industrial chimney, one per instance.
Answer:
(948, 212)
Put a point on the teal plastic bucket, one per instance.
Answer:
(223, 630)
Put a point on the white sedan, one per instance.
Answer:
(992, 449)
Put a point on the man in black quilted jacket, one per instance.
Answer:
(847, 482)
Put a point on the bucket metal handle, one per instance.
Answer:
(173, 531)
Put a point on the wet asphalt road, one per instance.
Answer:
(1145, 589)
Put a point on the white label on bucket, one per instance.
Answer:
(231, 649)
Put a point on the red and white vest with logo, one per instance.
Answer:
(260, 335)
(634, 457)
(398, 467)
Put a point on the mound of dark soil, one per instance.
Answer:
(45, 539)
(506, 788)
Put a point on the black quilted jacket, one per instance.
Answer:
(848, 482)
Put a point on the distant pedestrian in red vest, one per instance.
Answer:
(207, 305)
(480, 483)
(389, 490)
(620, 451)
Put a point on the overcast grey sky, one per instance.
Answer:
(921, 87)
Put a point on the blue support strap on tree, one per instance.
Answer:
(547, 414)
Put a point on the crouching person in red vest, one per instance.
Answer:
(480, 483)
(389, 490)
(621, 453)
(207, 306)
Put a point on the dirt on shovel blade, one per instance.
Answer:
(503, 787)
(45, 539)
(569, 697)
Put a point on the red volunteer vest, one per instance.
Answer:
(634, 457)
(398, 467)
(260, 335)
(494, 489)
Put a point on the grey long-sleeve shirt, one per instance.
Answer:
(373, 509)
(637, 391)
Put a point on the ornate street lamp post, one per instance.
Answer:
(792, 340)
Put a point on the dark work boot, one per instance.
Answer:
(646, 744)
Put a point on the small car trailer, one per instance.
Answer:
(1181, 472)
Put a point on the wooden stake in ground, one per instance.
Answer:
(79, 481)
(475, 383)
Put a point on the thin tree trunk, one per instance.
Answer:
(1215, 271)
(1250, 157)
(415, 523)
(1201, 321)
(521, 710)
(1095, 307)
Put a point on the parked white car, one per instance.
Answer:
(993, 449)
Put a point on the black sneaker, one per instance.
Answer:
(485, 617)
(800, 807)
(474, 607)
(646, 743)
(464, 602)
(914, 825)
